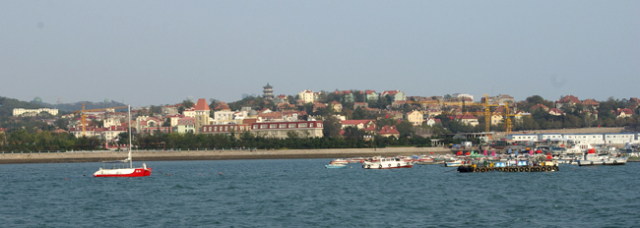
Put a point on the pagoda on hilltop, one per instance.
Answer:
(268, 92)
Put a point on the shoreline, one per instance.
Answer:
(142, 156)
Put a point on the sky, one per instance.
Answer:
(163, 52)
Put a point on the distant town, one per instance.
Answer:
(357, 118)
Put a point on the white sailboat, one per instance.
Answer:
(119, 169)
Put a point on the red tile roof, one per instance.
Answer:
(569, 99)
(202, 104)
(590, 102)
(388, 130)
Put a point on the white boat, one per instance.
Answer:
(119, 169)
(616, 161)
(335, 166)
(387, 163)
(454, 163)
(339, 161)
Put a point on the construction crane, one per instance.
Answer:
(84, 117)
(507, 121)
(486, 113)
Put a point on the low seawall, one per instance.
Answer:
(81, 156)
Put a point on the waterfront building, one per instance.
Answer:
(202, 112)
(185, 125)
(623, 113)
(282, 129)
(225, 129)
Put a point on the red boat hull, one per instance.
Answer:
(138, 172)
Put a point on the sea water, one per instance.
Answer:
(302, 193)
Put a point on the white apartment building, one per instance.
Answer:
(33, 112)
(307, 96)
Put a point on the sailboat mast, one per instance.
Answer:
(130, 162)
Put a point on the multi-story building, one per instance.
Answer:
(415, 117)
(189, 112)
(225, 129)
(396, 95)
(370, 95)
(500, 99)
(307, 96)
(33, 112)
(202, 112)
(185, 125)
(305, 129)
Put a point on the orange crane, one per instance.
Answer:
(84, 117)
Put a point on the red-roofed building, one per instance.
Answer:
(467, 119)
(537, 107)
(360, 124)
(388, 131)
(202, 113)
(396, 95)
(555, 112)
(432, 121)
(623, 113)
(370, 95)
(569, 100)
(591, 103)
(318, 105)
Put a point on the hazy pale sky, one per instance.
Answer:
(161, 52)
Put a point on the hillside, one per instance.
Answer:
(8, 104)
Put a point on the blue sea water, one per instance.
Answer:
(302, 193)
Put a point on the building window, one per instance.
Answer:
(283, 125)
(273, 126)
(302, 125)
(292, 125)
(263, 126)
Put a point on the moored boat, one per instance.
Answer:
(387, 163)
(335, 166)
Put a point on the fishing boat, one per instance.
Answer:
(119, 168)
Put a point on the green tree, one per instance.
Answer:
(332, 127)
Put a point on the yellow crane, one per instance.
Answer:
(84, 117)
(486, 113)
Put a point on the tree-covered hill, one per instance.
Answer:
(8, 104)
